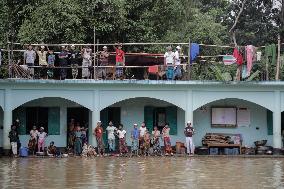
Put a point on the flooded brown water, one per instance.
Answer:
(148, 173)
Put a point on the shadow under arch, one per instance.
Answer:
(142, 98)
(52, 99)
(232, 99)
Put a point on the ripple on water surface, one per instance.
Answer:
(161, 172)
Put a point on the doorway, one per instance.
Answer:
(80, 116)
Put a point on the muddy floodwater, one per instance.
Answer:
(148, 173)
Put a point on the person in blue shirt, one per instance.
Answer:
(135, 139)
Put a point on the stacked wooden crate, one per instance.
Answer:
(213, 138)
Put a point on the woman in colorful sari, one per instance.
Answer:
(167, 140)
(98, 132)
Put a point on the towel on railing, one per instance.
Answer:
(153, 69)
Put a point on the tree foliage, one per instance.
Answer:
(202, 21)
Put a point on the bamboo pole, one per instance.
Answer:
(278, 59)
(189, 60)
(95, 75)
(97, 59)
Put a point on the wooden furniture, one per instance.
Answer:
(221, 145)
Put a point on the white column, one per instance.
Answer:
(95, 116)
(189, 107)
(277, 141)
(95, 119)
(63, 125)
(6, 129)
(7, 122)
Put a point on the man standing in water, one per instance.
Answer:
(135, 140)
(111, 129)
(14, 137)
(98, 132)
(188, 132)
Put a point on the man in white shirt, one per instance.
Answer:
(111, 129)
(177, 72)
(169, 62)
(29, 58)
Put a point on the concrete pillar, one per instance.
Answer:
(7, 122)
(95, 116)
(6, 129)
(277, 141)
(189, 107)
(95, 119)
(63, 124)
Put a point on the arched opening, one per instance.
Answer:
(252, 121)
(152, 111)
(52, 113)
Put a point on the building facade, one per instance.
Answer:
(52, 104)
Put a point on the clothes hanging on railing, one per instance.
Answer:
(238, 56)
(251, 57)
(258, 56)
(270, 53)
(229, 60)
(244, 71)
(194, 51)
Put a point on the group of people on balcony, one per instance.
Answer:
(84, 59)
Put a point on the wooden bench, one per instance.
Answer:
(221, 145)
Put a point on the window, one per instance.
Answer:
(37, 116)
(49, 118)
(159, 116)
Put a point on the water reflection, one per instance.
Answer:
(162, 172)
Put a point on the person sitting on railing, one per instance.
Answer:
(42, 53)
(103, 61)
(87, 61)
(74, 56)
(169, 62)
(119, 59)
(29, 59)
(63, 55)
(177, 72)
(50, 61)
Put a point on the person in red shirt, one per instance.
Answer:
(98, 132)
(119, 59)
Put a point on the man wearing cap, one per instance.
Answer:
(111, 129)
(177, 72)
(74, 56)
(169, 62)
(103, 61)
(188, 132)
(135, 139)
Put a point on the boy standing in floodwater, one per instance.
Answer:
(122, 143)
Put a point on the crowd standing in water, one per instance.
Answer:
(143, 142)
